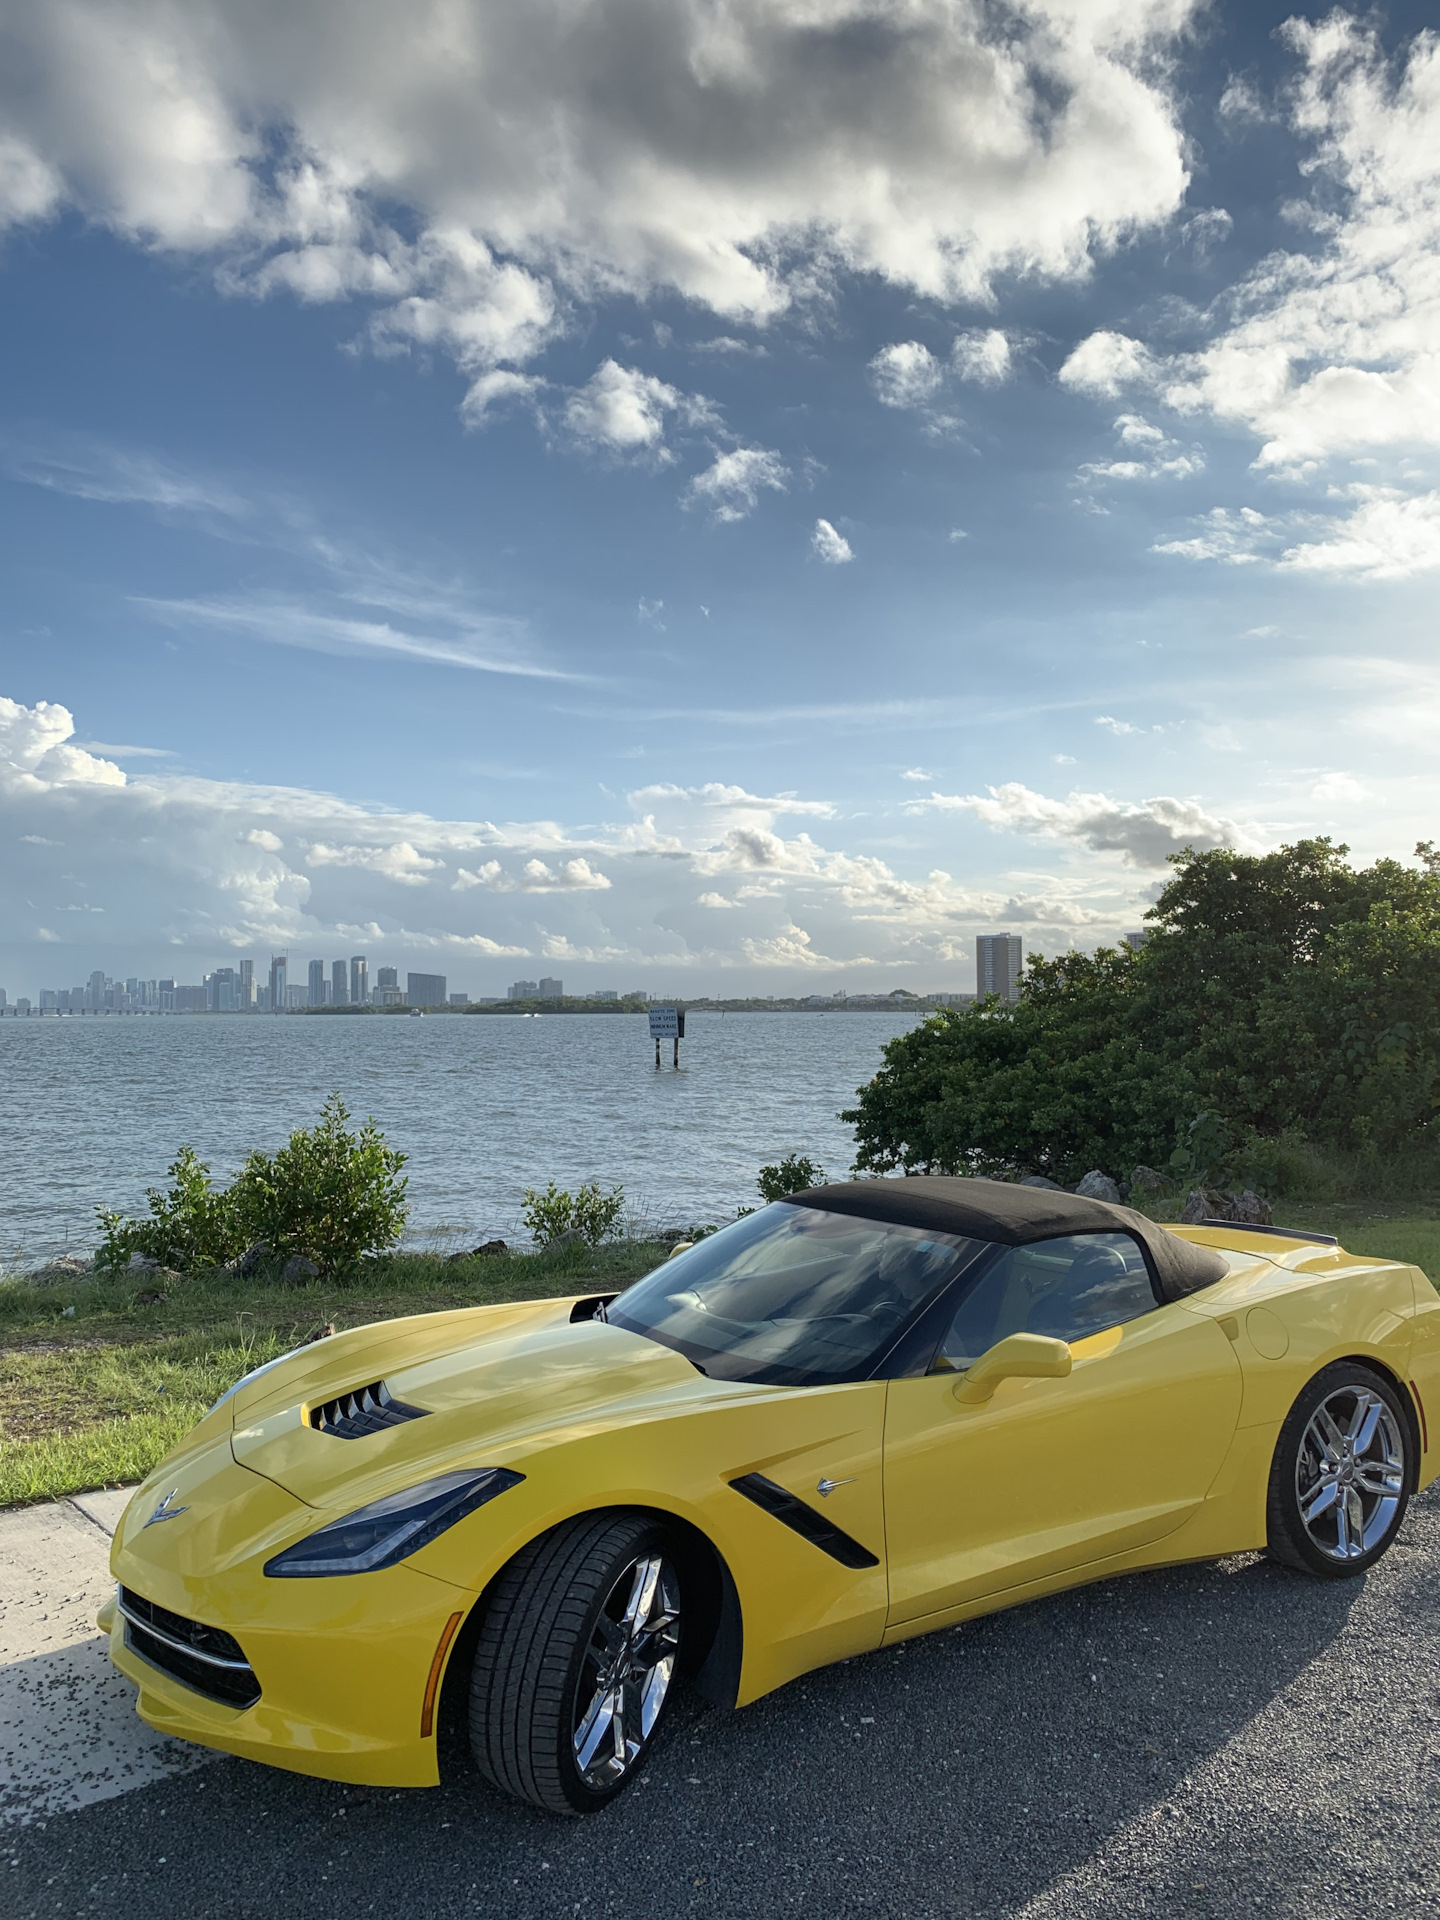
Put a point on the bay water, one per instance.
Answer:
(94, 1108)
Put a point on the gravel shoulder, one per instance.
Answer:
(1212, 1740)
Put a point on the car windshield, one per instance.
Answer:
(791, 1295)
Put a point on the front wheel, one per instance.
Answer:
(1341, 1478)
(575, 1661)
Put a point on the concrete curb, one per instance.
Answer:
(69, 1733)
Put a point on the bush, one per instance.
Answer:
(590, 1213)
(794, 1174)
(191, 1227)
(329, 1194)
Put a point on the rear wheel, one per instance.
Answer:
(575, 1661)
(1340, 1482)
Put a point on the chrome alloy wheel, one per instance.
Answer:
(1350, 1473)
(627, 1670)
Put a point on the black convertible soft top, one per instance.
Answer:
(1014, 1216)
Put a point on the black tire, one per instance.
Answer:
(555, 1634)
(1341, 1477)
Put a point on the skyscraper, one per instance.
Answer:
(359, 980)
(339, 985)
(425, 989)
(998, 964)
(317, 984)
(279, 982)
(552, 989)
(247, 986)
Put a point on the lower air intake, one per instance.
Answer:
(206, 1659)
(363, 1410)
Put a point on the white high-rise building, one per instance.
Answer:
(279, 981)
(359, 980)
(999, 962)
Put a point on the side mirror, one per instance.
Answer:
(1023, 1356)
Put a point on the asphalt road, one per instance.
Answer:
(1213, 1740)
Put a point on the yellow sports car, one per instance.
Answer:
(862, 1413)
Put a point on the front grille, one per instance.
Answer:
(207, 1659)
(363, 1410)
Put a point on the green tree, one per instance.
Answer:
(1284, 996)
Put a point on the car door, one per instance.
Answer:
(1051, 1474)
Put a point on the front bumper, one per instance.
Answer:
(342, 1664)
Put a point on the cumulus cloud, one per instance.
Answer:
(622, 411)
(905, 375)
(1108, 364)
(1388, 537)
(1145, 834)
(1147, 453)
(1326, 355)
(983, 356)
(732, 485)
(473, 168)
(828, 545)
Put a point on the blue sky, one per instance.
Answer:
(723, 497)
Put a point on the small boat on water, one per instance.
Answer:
(417, 1013)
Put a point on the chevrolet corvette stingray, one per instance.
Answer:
(862, 1413)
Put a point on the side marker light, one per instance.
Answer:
(432, 1685)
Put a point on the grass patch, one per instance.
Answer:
(98, 1395)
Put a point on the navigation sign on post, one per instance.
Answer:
(667, 1023)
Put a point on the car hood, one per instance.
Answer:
(490, 1384)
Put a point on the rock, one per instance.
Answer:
(1245, 1209)
(66, 1266)
(141, 1263)
(150, 1297)
(298, 1270)
(1145, 1181)
(1039, 1180)
(487, 1250)
(1098, 1186)
(251, 1261)
(1252, 1209)
(1205, 1203)
(572, 1237)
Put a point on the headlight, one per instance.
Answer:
(391, 1529)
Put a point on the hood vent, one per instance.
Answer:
(363, 1410)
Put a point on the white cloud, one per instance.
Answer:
(396, 860)
(982, 356)
(1339, 789)
(1327, 355)
(1147, 453)
(702, 880)
(732, 485)
(483, 645)
(1388, 537)
(916, 773)
(622, 411)
(1107, 365)
(906, 375)
(828, 545)
(1145, 834)
(474, 171)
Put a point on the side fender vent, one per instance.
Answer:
(810, 1525)
(363, 1410)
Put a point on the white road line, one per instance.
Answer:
(69, 1733)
